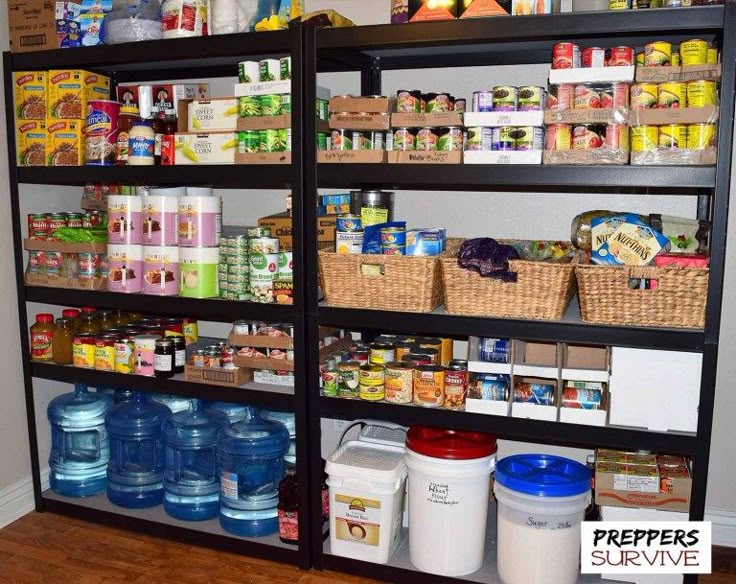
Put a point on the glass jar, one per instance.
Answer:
(105, 319)
(88, 325)
(163, 359)
(121, 318)
(73, 315)
(180, 354)
(62, 341)
(42, 333)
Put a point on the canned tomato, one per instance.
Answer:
(460, 105)
(712, 58)
(35, 259)
(672, 136)
(429, 386)
(534, 393)
(489, 387)
(702, 93)
(593, 57)
(617, 136)
(588, 136)
(438, 102)
(105, 353)
(644, 95)
(505, 98)
(503, 138)
(124, 351)
(74, 220)
(83, 351)
(417, 359)
(341, 139)
(53, 262)
(372, 383)
(482, 101)
(449, 139)
(382, 353)
(615, 95)
(528, 138)
(620, 57)
(531, 98)
(409, 101)
(559, 137)
(565, 56)
(54, 222)
(88, 265)
(644, 138)
(399, 383)
(329, 382)
(393, 236)
(348, 222)
(348, 379)
(404, 139)
(426, 140)
(565, 95)
(586, 98)
(479, 138)
(672, 95)
(456, 387)
(694, 52)
(581, 398)
(37, 226)
(700, 136)
(658, 53)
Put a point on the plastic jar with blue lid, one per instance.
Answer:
(541, 502)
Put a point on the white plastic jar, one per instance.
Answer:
(141, 144)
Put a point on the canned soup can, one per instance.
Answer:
(429, 386)
(456, 387)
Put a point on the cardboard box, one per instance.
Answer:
(589, 116)
(358, 104)
(263, 88)
(536, 359)
(205, 148)
(351, 156)
(30, 95)
(163, 95)
(217, 114)
(271, 378)
(526, 7)
(261, 341)
(264, 123)
(586, 157)
(281, 228)
(483, 8)
(502, 157)
(683, 73)
(32, 25)
(585, 357)
(421, 10)
(64, 145)
(665, 156)
(360, 121)
(263, 158)
(431, 120)
(30, 142)
(69, 90)
(490, 119)
(686, 115)
(66, 283)
(30, 244)
(592, 75)
(217, 376)
(436, 157)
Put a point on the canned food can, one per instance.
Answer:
(694, 52)
(482, 101)
(701, 136)
(479, 139)
(382, 353)
(35, 260)
(360, 356)
(456, 388)
(531, 98)
(702, 93)
(270, 104)
(322, 107)
(426, 140)
(494, 350)
(617, 137)
(558, 137)
(393, 236)
(675, 61)
(461, 105)
(329, 382)
(105, 352)
(403, 348)
(83, 351)
(53, 262)
(124, 356)
(372, 383)
(409, 101)
(284, 68)
(619, 4)
(644, 95)
(644, 138)
(404, 139)
(658, 53)
(615, 95)
(348, 379)
(503, 138)
(429, 386)
(712, 58)
(275, 140)
(399, 385)
(640, 59)
(249, 142)
(350, 242)
(267, 245)
(438, 102)
(388, 249)
(449, 139)
(505, 98)
(565, 56)
(586, 98)
(249, 106)
(593, 57)
(341, 139)
(417, 359)
(584, 399)
(89, 265)
(322, 141)
(562, 97)
(285, 103)
(534, 393)
(367, 140)
(37, 226)
(489, 387)
(528, 138)
(588, 136)
(74, 220)
(673, 136)
(249, 72)
(672, 95)
(227, 358)
(348, 222)
(269, 70)
(621, 56)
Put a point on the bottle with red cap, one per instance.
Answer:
(42, 333)
(73, 315)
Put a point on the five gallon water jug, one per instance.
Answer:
(250, 455)
(289, 420)
(136, 469)
(80, 448)
(191, 482)
(116, 395)
(234, 412)
(173, 402)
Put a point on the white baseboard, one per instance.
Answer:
(724, 526)
(17, 499)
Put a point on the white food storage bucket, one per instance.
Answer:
(366, 484)
(541, 502)
(449, 490)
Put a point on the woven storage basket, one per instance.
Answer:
(406, 284)
(678, 301)
(542, 289)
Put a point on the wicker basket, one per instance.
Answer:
(406, 284)
(542, 290)
(678, 301)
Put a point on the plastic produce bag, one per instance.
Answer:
(185, 18)
(231, 16)
(132, 20)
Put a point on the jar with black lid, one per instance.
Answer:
(180, 354)
(163, 358)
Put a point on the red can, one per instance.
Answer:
(456, 388)
(360, 355)
(227, 358)
(559, 137)
(594, 57)
(37, 226)
(565, 96)
(617, 136)
(615, 95)
(586, 98)
(101, 132)
(588, 136)
(565, 56)
(620, 57)
(417, 359)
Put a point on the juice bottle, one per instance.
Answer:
(289, 507)
(62, 341)
(42, 333)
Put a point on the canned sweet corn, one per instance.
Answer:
(694, 52)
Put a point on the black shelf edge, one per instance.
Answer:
(571, 331)
(169, 531)
(205, 309)
(527, 178)
(271, 399)
(512, 428)
(240, 176)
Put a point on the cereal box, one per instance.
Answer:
(69, 90)
(96, 86)
(30, 95)
(64, 142)
(31, 142)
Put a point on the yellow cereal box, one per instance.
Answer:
(31, 142)
(70, 89)
(64, 142)
(30, 95)
(96, 86)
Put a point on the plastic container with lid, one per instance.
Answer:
(449, 484)
(42, 333)
(250, 455)
(541, 502)
(366, 483)
(141, 144)
(80, 449)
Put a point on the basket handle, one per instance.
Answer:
(642, 272)
(372, 269)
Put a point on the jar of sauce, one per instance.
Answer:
(73, 315)
(141, 144)
(88, 325)
(164, 358)
(62, 341)
(105, 319)
(121, 318)
(88, 310)
(128, 118)
(42, 333)
(180, 354)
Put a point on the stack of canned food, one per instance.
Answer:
(400, 370)
(218, 355)
(614, 137)
(663, 53)
(568, 55)
(426, 139)
(413, 101)
(395, 239)
(673, 137)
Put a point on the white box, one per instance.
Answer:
(487, 406)
(658, 390)
(475, 365)
(584, 417)
(219, 114)
(273, 87)
(531, 118)
(503, 157)
(534, 412)
(592, 75)
(205, 147)
(270, 378)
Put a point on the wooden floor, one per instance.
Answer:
(51, 549)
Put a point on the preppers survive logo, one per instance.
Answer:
(634, 547)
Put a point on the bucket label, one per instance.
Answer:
(440, 494)
(357, 520)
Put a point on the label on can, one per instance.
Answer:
(409, 101)
(479, 138)
(644, 95)
(702, 93)
(621, 57)
(588, 136)
(482, 101)
(372, 383)
(615, 95)
(403, 139)
(531, 98)
(700, 136)
(503, 138)
(329, 383)
(350, 242)
(426, 140)
(673, 136)
(672, 95)
(617, 137)
(694, 52)
(399, 382)
(105, 354)
(658, 53)
(450, 139)
(348, 222)
(505, 98)
(348, 380)
(124, 356)
(644, 138)
(456, 389)
(565, 56)
(83, 352)
(586, 98)
(429, 386)
(593, 57)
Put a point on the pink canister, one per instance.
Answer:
(200, 221)
(124, 268)
(143, 354)
(101, 132)
(124, 219)
(160, 270)
(159, 218)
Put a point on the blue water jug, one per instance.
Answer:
(191, 481)
(234, 412)
(174, 402)
(250, 455)
(117, 395)
(136, 468)
(80, 449)
(289, 420)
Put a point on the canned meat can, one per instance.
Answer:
(581, 398)
(694, 52)
(348, 222)
(505, 98)
(701, 136)
(672, 95)
(673, 136)
(534, 393)
(456, 387)
(393, 236)
(479, 139)
(382, 353)
(586, 98)
(588, 136)
(559, 137)
(489, 387)
(565, 56)
(449, 139)
(593, 57)
(348, 379)
(426, 140)
(615, 95)
(644, 138)
(329, 382)
(399, 385)
(409, 101)
(429, 386)
(404, 139)
(644, 95)
(617, 137)
(658, 53)
(341, 139)
(503, 138)
(350, 242)
(531, 98)
(621, 56)
(372, 383)
(528, 138)
(702, 93)
(482, 101)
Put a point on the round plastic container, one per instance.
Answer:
(449, 490)
(233, 412)
(541, 502)
(124, 219)
(124, 268)
(160, 219)
(160, 270)
(288, 419)
(198, 270)
(200, 221)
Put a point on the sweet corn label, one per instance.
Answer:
(212, 115)
(207, 148)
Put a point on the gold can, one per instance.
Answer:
(658, 53)
(83, 351)
(382, 353)
(702, 93)
(447, 352)
(672, 95)
(712, 58)
(399, 385)
(675, 61)
(640, 59)
(429, 386)
(673, 136)
(701, 136)
(694, 52)
(403, 348)
(644, 138)
(644, 95)
(372, 383)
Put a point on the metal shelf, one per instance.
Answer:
(269, 396)
(205, 309)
